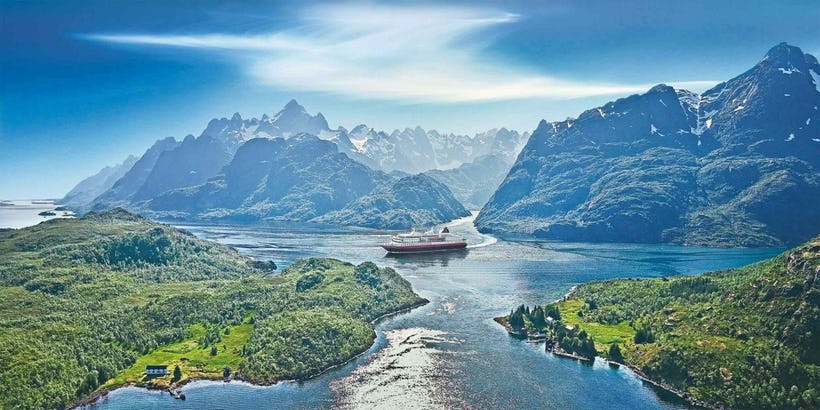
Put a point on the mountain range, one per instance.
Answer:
(292, 166)
(294, 179)
(735, 166)
(90, 188)
(418, 150)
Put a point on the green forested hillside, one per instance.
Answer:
(88, 302)
(742, 338)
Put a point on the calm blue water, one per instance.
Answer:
(20, 213)
(450, 353)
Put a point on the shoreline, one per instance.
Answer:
(686, 397)
(96, 396)
(670, 389)
(639, 374)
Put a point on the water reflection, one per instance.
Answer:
(442, 259)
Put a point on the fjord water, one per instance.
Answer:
(450, 353)
(19, 213)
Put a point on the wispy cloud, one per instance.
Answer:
(409, 53)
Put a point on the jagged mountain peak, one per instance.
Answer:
(784, 59)
(293, 105)
(735, 164)
(543, 126)
(293, 119)
(661, 88)
(359, 129)
(775, 101)
(781, 60)
(783, 52)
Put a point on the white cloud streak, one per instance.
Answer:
(405, 53)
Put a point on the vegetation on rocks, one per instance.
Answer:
(413, 201)
(742, 338)
(87, 303)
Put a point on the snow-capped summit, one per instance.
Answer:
(414, 150)
(775, 103)
(293, 119)
(409, 150)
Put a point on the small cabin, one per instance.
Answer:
(156, 370)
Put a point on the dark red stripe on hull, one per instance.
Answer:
(424, 248)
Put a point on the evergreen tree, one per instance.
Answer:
(644, 335)
(552, 311)
(213, 350)
(537, 318)
(177, 373)
(615, 353)
(589, 348)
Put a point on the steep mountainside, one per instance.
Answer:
(413, 201)
(171, 165)
(292, 179)
(736, 166)
(193, 162)
(475, 182)
(84, 192)
(122, 190)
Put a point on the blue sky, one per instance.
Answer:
(84, 84)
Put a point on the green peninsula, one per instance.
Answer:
(86, 304)
(739, 338)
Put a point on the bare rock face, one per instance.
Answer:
(738, 165)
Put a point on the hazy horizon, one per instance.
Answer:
(86, 85)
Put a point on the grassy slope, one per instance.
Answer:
(603, 334)
(746, 338)
(194, 359)
(87, 302)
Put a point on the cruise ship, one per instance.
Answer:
(430, 241)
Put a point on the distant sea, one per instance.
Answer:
(20, 213)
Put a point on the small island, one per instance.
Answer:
(110, 299)
(47, 213)
(739, 338)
